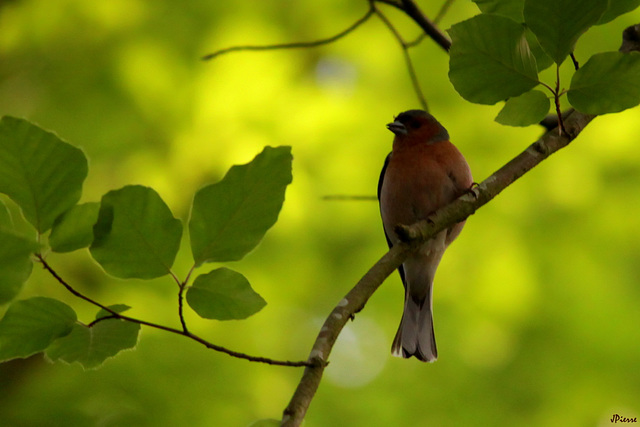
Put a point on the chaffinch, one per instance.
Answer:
(423, 173)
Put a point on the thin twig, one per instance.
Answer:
(393, 3)
(429, 27)
(414, 80)
(184, 333)
(443, 11)
(561, 129)
(92, 324)
(294, 45)
(183, 322)
(414, 12)
(407, 58)
(555, 120)
(416, 41)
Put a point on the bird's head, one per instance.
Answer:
(417, 126)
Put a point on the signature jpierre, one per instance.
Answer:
(620, 419)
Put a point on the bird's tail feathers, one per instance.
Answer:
(415, 336)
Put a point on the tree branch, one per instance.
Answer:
(443, 11)
(184, 332)
(413, 236)
(411, 9)
(295, 45)
(407, 58)
(407, 6)
(430, 29)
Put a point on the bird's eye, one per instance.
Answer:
(414, 124)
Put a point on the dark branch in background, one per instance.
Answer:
(296, 45)
(416, 41)
(411, 9)
(407, 6)
(414, 235)
(407, 58)
(185, 333)
(443, 10)
(429, 27)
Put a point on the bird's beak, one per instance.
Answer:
(397, 128)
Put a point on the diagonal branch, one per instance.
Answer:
(413, 236)
(413, 11)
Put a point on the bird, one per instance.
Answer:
(423, 173)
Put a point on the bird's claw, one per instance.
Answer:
(474, 190)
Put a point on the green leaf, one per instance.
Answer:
(30, 326)
(543, 61)
(118, 308)
(507, 8)
(40, 172)
(559, 23)
(229, 218)
(15, 264)
(136, 235)
(92, 345)
(74, 228)
(490, 59)
(5, 217)
(607, 83)
(617, 8)
(223, 294)
(524, 110)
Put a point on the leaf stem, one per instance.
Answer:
(183, 286)
(557, 94)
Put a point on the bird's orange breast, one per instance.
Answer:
(421, 178)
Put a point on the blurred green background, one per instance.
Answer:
(537, 305)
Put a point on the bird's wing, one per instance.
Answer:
(380, 181)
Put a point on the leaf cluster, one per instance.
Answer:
(498, 55)
(131, 233)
